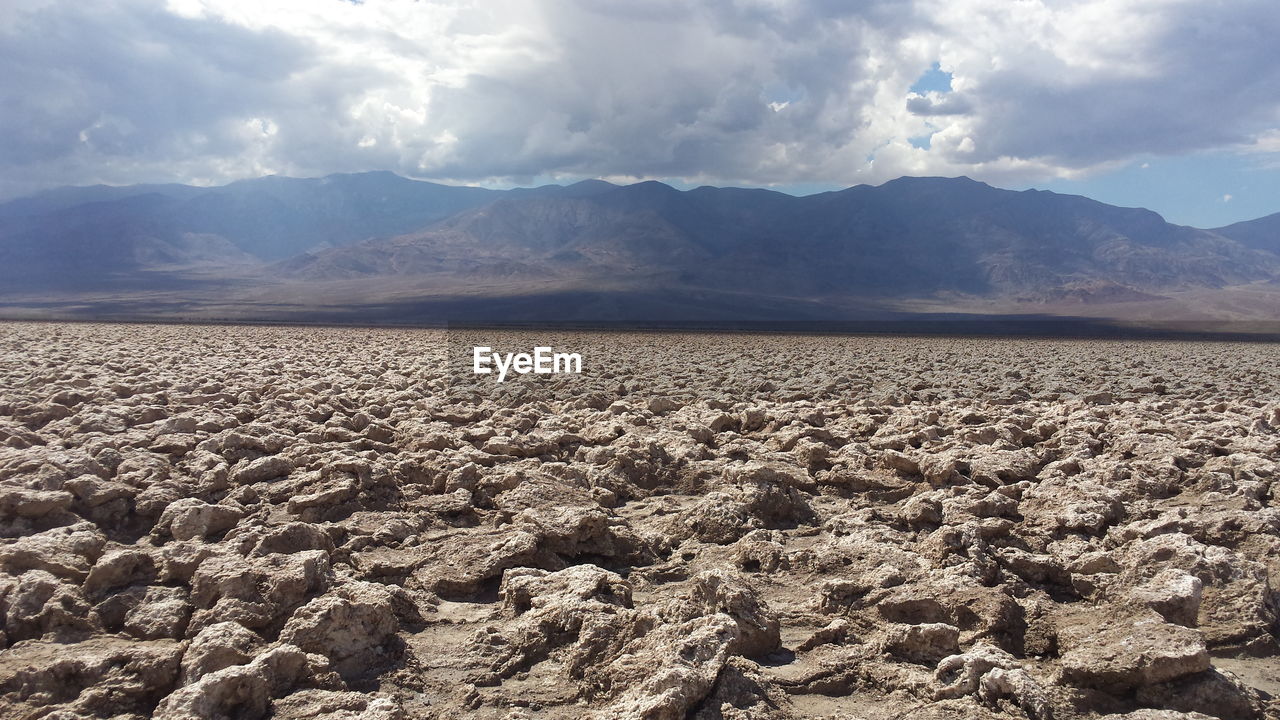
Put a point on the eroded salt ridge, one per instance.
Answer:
(208, 522)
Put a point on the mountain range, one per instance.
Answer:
(377, 247)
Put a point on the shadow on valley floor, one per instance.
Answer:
(623, 310)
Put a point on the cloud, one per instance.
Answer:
(1092, 82)
(1226, 198)
(938, 104)
(733, 91)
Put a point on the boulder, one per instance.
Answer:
(351, 626)
(717, 591)
(1116, 650)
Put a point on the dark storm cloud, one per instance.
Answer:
(108, 89)
(130, 78)
(759, 92)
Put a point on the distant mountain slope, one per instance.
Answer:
(62, 199)
(1260, 234)
(910, 237)
(71, 233)
(275, 217)
(82, 246)
(375, 239)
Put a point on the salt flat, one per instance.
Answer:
(250, 521)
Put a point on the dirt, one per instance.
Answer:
(221, 521)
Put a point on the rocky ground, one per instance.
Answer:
(227, 522)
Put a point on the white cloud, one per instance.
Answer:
(745, 91)
(1226, 198)
(1265, 142)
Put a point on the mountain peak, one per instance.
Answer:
(593, 183)
(1261, 234)
(651, 184)
(589, 188)
(650, 188)
(934, 181)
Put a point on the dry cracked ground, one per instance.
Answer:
(244, 522)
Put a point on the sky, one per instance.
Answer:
(1172, 105)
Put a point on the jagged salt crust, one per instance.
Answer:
(218, 522)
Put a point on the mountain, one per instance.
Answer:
(276, 217)
(72, 236)
(911, 237)
(1260, 234)
(375, 246)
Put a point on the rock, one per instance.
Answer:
(921, 510)
(584, 608)
(980, 613)
(758, 555)
(1212, 693)
(67, 552)
(118, 568)
(1237, 603)
(962, 674)
(351, 627)
(715, 591)
(291, 538)
(745, 692)
(1000, 684)
(103, 677)
(162, 612)
(242, 691)
(261, 470)
(336, 705)
(659, 405)
(835, 632)
(38, 605)
(943, 468)
(756, 473)
(925, 643)
(101, 500)
(333, 493)
(1172, 593)
(190, 518)
(1072, 505)
(258, 592)
(180, 559)
(218, 646)
(1147, 714)
(894, 460)
(717, 518)
(1127, 651)
(525, 589)
(20, 502)
(669, 671)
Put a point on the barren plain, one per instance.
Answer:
(289, 522)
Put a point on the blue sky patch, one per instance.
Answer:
(923, 141)
(933, 79)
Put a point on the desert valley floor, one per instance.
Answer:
(289, 522)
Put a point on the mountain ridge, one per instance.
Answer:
(908, 239)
